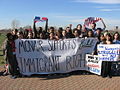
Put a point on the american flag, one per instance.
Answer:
(40, 19)
(91, 20)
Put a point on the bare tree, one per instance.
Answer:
(15, 24)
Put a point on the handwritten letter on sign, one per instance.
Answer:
(109, 52)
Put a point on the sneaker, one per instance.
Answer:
(5, 74)
(110, 76)
(13, 77)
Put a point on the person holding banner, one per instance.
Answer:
(37, 33)
(9, 50)
(90, 23)
(40, 34)
(93, 25)
(14, 33)
(107, 65)
(106, 69)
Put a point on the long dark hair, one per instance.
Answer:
(108, 34)
(118, 35)
(9, 36)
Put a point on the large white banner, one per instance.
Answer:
(36, 56)
(109, 52)
(94, 64)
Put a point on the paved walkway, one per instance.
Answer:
(60, 82)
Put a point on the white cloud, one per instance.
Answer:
(106, 10)
(100, 1)
(100, 7)
(109, 10)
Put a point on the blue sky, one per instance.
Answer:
(59, 12)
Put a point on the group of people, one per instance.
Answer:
(53, 34)
(104, 37)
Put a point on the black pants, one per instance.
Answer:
(106, 69)
(13, 66)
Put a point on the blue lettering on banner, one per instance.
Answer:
(108, 53)
(94, 70)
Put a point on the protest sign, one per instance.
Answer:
(109, 52)
(94, 64)
(37, 56)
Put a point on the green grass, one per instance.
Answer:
(2, 38)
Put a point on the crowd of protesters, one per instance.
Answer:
(104, 37)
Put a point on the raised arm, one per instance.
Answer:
(35, 30)
(103, 24)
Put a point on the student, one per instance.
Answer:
(90, 34)
(25, 33)
(93, 26)
(69, 33)
(76, 33)
(9, 50)
(38, 32)
(102, 39)
(106, 65)
(84, 32)
(109, 39)
(58, 35)
(64, 34)
(105, 33)
(79, 28)
(98, 33)
(50, 30)
(52, 36)
(14, 33)
(20, 35)
(30, 35)
(116, 38)
(34, 30)
(42, 35)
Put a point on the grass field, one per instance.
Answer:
(2, 38)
